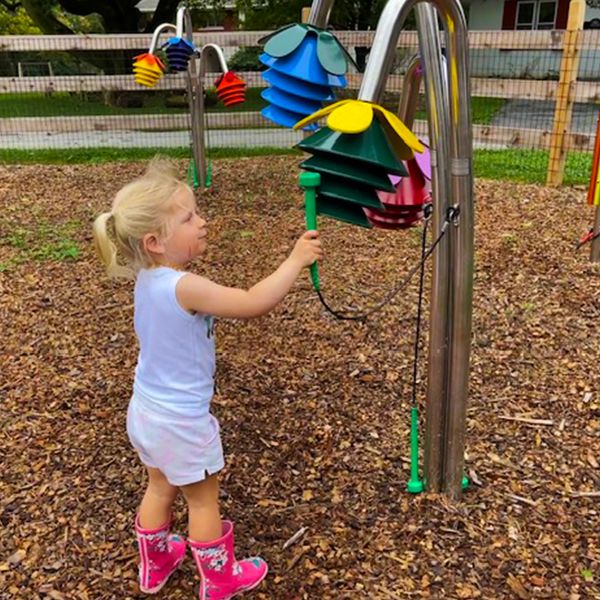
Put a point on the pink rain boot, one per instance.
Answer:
(221, 576)
(160, 555)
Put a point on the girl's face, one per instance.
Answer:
(187, 238)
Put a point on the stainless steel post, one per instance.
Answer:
(595, 245)
(436, 95)
(319, 13)
(460, 268)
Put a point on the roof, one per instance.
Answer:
(149, 6)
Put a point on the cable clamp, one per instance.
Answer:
(427, 211)
(452, 214)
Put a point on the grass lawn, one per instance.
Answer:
(526, 166)
(71, 104)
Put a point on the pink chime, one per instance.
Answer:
(404, 207)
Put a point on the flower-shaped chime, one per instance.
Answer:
(362, 144)
(179, 51)
(403, 208)
(304, 62)
(148, 69)
(231, 90)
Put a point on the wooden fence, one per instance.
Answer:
(550, 42)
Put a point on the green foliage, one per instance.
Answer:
(246, 59)
(270, 14)
(102, 155)
(41, 242)
(16, 23)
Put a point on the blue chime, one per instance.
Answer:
(179, 52)
(304, 64)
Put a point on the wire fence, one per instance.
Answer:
(79, 92)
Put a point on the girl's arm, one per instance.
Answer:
(204, 296)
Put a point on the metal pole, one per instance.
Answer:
(436, 95)
(319, 13)
(460, 272)
(595, 249)
(461, 268)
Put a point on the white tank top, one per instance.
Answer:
(176, 364)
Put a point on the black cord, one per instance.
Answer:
(451, 216)
(419, 315)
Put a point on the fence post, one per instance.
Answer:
(563, 110)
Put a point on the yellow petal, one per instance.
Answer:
(407, 136)
(319, 114)
(353, 117)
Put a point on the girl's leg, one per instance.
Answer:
(155, 509)
(203, 509)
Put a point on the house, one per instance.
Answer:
(523, 15)
(224, 17)
(527, 15)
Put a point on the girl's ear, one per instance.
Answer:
(153, 244)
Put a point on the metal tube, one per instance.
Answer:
(595, 245)
(187, 25)
(156, 35)
(436, 96)
(319, 13)
(410, 91)
(179, 21)
(219, 54)
(461, 268)
(195, 89)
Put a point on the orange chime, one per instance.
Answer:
(231, 90)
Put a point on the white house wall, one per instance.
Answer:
(485, 14)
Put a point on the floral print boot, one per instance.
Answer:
(221, 576)
(160, 554)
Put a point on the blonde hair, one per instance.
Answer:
(142, 206)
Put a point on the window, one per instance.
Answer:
(535, 14)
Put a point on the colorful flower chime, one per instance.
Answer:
(361, 146)
(231, 90)
(148, 69)
(304, 64)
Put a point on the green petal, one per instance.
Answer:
(286, 41)
(331, 55)
(263, 40)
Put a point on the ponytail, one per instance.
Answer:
(107, 250)
(143, 206)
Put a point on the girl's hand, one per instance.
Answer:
(307, 249)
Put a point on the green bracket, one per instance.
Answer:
(310, 182)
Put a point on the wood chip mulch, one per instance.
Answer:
(314, 412)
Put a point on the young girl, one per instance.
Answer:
(158, 232)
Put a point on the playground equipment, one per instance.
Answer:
(593, 198)
(304, 63)
(353, 156)
(183, 56)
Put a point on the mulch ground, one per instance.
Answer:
(314, 411)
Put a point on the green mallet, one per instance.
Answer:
(310, 181)
(415, 485)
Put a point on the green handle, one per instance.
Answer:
(415, 485)
(310, 181)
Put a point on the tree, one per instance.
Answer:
(16, 21)
(346, 14)
(111, 16)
